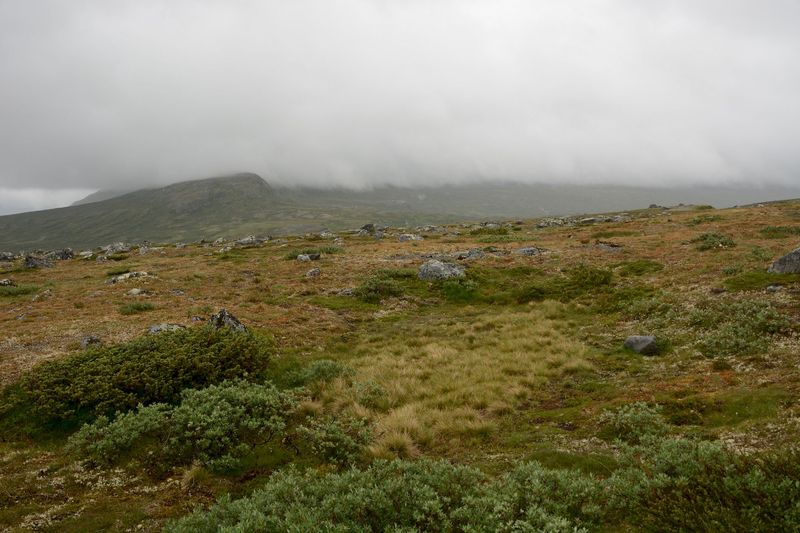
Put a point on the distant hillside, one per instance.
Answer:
(242, 204)
(187, 211)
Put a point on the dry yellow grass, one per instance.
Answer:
(451, 377)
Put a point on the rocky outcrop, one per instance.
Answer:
(788, 264)
(224, 319)
(436, 270)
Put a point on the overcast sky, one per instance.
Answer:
(113, 94)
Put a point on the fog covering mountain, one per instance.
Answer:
(245, 203)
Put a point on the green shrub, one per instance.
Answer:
(339, 441)
(531, 292)
(378, 288)
(135, 308)
(118, 257)
(635, 422)
(685, 485)
(387, 496)
(150, 369)
(585, 278)
(215, 426)
(323, 370)
(779, 232)
(18, 290)
(663, 485)
(460, 290)
(713, 241)
(736, 328)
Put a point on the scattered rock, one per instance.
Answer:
(788, 264)
(774, 288)
(529, 251)
(250, 241)
(143, 250)
(313, 273)
(60, 255)
(346, 292)
(471, 255)
(643, 344)
(224, 319)
(369, 228)
(327, 235)
(197, 318)
(405, 237)
(180, 245)
(308, 257)
(177, 292)
(90, 340)
(436, 270)
(160, 328)
(718, 290)
(127, 276)
(136, 292)
(117, 248)
(36, 262)
(378, 235)
(7, 256)
(86, 254)
(44, 295)
(6, 283)
(608, 246)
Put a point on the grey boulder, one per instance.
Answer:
(6, 283)
(435, 270)
(32, 261)
(160, 328)
(643, 344)
(224, 319)
(788, 264)
(529, 251)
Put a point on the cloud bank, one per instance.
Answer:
(114, 94)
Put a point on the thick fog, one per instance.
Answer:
(119, 94)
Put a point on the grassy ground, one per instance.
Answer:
(518, 362)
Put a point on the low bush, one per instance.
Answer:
(150, 369)
(118, 271)
(713, 241)
(215, 426)
(136, 308)
(378, 288)
(779, 232)
(635, 422)
(759, 279)
(340, 441)
(18, 290)
(664, 485)
(460, 290)
(324, 370)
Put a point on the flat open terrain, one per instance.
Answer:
(518, 361)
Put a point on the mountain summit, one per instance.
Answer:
(183, 211)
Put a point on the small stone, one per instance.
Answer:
(37, 262)
(6, 283)
(224, 319)
(136, 292)
(529, 251)
(346, 292)
(643, 344)
(313, 273)
(774, 288)
(90, 340)
(406, 237)
(127, 276)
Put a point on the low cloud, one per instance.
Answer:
(111, 94)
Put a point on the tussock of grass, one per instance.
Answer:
(779, 232)
(713, 241)
(759, 279)
(445, 380)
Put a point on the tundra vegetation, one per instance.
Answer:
(366, 399)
